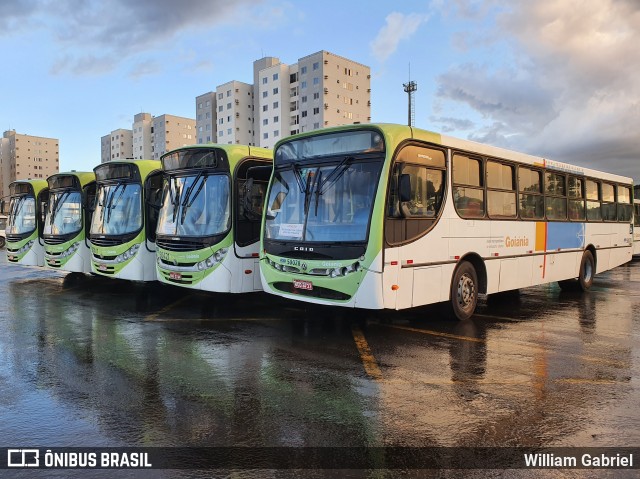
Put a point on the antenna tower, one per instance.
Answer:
(409, 88)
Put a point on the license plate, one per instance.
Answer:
(102, 267)
(301, 284)
(174, 275)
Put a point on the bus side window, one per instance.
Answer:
(468, 186)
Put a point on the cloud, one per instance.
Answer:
(144, 68)
(118, 29)
(450, 124)
(569, 90)
(398, 27)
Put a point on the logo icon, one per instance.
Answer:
(23, 457)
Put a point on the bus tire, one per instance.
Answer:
(464, 292)
(587, 271)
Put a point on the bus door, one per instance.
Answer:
(152, 204)
(252, 178)
(42, 203)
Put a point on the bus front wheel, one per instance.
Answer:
(464, 291)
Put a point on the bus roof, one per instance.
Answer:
(37, 185)
(145, 167)
(395, 133)
(233, 151)
(83, 176)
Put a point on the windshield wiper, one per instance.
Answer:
(57, 205)
(298, 175)
(311, 183)
(113, 203)
(175, 199)
(336, 173)
(186, 204)
(318, 192)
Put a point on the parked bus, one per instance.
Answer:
(123, 226)
(208, 232)
(27, 203)
(3, 227)
(636, 227)
(388, 216)
(68, 216)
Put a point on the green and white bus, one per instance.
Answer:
(123, 227)
(27, 203)
(388, 216)
(68, 216)
(209, 229)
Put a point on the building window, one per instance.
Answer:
(316, 65)
(220, 122)
(276, 119)
(228, 131)
(316, 96)
(304, 114)
(208, 103)
(265, 94)
(303, 84)
(275, 91)
(275, 76)
(221, 133)
(228, 93)
(316, 111)
(220, 96)
(265, 107)
(265, 136)
(316, 126)
(303, 70)
(265, 121)
(264, 80)
(304, 99)
(199, 105)
(316, 80)
(228, 106)
(275, 105)
(276, 133)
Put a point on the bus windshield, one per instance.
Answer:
(64, 213)
(197, 205)
(324, 203)
(22, 215)
(118, 209)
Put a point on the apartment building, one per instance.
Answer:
(116, 146)
(206, 118)
(150, 138)
(234, 116)
(26, 156)
(141, 146)
(320, 90)
(169, 132)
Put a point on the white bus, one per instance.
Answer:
(388, 216)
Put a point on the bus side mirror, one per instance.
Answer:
(405, 188)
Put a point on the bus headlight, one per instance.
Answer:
(130, 253)
(26, 247)
(212, 260)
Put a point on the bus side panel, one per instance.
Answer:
(248, 277)
(390, 277)
(426, 282)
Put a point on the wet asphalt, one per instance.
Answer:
(89, 362)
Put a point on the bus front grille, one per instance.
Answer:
(316, 292)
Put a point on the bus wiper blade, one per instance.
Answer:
(186, 204)
(298, 175)
(310, 185)
(175, 200)
(57, 205)
(113, 203)
(336, 173)
(318, 192)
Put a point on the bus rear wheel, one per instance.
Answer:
(585, 275)
(464, 292)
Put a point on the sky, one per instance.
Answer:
(554, 78)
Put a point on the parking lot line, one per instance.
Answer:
(368, 360)
(152, 317)
(435, 333)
